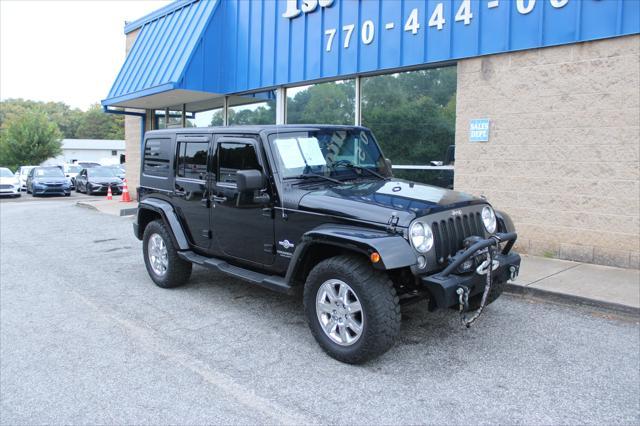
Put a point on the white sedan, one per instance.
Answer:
(9, 183)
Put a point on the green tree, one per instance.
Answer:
(67, 118)
(97, 124)
(30, 138)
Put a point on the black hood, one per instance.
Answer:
(376, 201)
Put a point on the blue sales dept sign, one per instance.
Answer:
(479, 130)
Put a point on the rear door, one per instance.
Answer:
(242, 223)
(192, 185)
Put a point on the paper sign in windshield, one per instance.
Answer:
(300, 152)
(311, 151)
(290, 153)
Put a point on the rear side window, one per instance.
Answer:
(156, 157)
(234, 156)
(192, 160)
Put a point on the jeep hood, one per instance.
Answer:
(376, 201)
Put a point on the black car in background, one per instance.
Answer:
(48, 180)
(97, 180)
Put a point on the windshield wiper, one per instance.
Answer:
(350, 165)
(313, 175)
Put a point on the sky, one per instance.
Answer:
(64, 51)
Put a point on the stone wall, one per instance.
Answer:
(564, 148)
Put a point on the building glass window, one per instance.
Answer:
(324, 103)
(412, 115)
(254, 108)
(175, 119)
(209, 118)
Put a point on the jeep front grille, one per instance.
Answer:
(448, 234)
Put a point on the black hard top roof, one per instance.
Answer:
(270, 128)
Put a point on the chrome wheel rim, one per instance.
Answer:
(158, 255)
(339, 312)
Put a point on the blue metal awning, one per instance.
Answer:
(157, 60)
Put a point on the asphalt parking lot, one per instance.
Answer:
(86, 337)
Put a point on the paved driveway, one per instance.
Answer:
(85, 337)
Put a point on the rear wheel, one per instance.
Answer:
(352, 309)
(164, 266)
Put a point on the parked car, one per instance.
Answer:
(9, 183)
(48, 180)
(71, 171)
(97, 180)
(317, 208)
(118, 170)
(23, 173)
(88, 164)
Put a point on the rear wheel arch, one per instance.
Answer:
(145, 217)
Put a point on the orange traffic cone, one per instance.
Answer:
(109, 195)
(126, 198)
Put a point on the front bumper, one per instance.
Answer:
(53, 190)
(11, 190)
(443, 285)
(100, 189)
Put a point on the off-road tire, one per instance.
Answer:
(178, 270)
(496, 290)
(379, 301)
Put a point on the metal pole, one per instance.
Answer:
(281, 105)
(166, 118)
(225, 112)
(358, 102)
(184, 115)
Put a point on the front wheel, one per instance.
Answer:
(352, 309)
(165, 267)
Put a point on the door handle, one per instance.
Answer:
(179, 193)
(217, 199)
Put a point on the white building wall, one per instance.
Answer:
(102, 156)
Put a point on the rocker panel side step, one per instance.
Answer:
(272, 282)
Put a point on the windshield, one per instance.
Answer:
(329, 152)
(4, 172)
(73, 169)
(25, 170)
(100, 172)
(52, 172)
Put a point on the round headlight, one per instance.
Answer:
(489, 219)
(421, 237)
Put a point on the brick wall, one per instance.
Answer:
(132, 137)
(563, 155)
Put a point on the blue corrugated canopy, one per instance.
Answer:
(156, 63)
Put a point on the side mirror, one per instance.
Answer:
(388, 163)
(249, 180)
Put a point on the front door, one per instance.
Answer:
(191, 187)
(242, 223)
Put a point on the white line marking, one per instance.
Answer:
(493, 3)
(389, 26)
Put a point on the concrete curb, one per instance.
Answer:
(570, 299)
(128, 212)
(86, 205)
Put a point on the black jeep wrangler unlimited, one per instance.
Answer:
(317, 208)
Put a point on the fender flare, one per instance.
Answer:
(169, 216)
(505, 223)
(395, 251)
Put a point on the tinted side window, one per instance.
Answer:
(234, 156)
(156, 157)
(192, 160)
